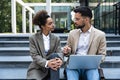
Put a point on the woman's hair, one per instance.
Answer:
(84, 11)
(40, 18)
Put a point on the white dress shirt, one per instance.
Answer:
(82, 47)
(46, 41)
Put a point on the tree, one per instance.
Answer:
(33, 1)
(5, 16)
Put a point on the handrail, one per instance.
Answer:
(23, 4)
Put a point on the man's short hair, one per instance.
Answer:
(84, 11)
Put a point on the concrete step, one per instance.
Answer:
(13, 73)
(63, 43)
(19, 73)
(111, 73)
(25, 37)
(14, 79)
(15, 61)
(112, 37)
(113, 51)
(21, 43)
(14, 43)
(62, 36)
(113, 43)
(111, 62)
(14, 51)
(14, 37)
(24, 61)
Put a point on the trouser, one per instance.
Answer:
(52, 74)
(82, 74)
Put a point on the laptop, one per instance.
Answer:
(84, 61)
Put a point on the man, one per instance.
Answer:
(85, 40)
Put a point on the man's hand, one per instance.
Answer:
(55, 63)
(66, 50)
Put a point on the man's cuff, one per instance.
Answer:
(46, 64)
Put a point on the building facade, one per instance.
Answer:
(107, 16)
(61, 16)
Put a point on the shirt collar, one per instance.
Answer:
(88, 30)
(46, 37)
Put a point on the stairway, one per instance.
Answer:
(111, 66)
(15, 58)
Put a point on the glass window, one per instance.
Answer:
(60, 19)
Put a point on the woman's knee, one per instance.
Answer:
(53, 55)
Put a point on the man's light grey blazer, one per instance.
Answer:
(97, 41)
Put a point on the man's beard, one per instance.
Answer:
(80, 26)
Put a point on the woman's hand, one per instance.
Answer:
(55, 63)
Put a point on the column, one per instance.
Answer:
(23, 19)
(30, 22)
(13, 14)
(48, 7)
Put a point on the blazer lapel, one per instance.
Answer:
(77, 38)
(92, 34)
(41, 44)
(52, 43)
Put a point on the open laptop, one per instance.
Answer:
(84, 61)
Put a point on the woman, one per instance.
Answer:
(45, 50)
